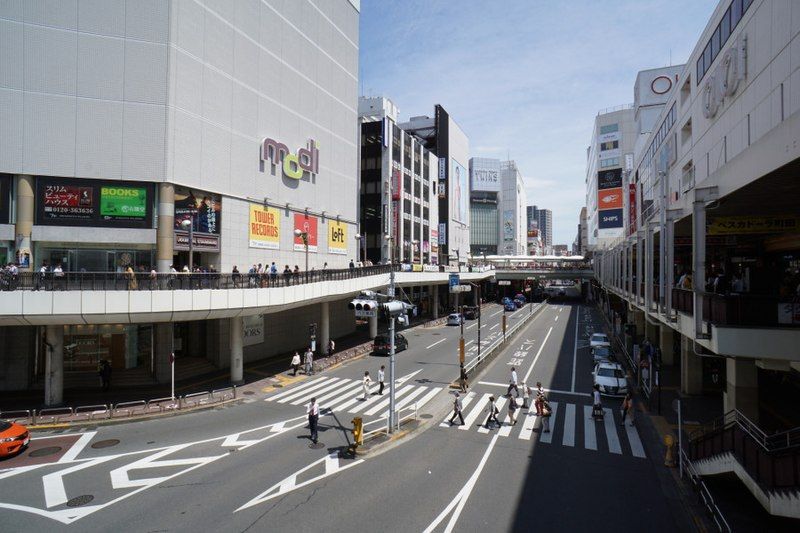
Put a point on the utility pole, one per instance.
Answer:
(392, 413)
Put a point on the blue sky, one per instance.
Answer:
(524, 78)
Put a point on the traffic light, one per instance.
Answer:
(361, 304)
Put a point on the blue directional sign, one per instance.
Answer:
(455, 279)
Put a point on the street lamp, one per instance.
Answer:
(303, 235)
(392, 398)
(188, 224)
(362, 245)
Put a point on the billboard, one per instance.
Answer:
(434, 241)
(93, 203)
(206, 206)
(337, 237)
(483, 179)
(609, 198)
(252, 330)
(459, 203)
(733, 225)
(264, 230)
(609, 218)
(631, 208)
(508, 225)
(609, 179)
(307, 224)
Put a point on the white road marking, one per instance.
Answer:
(78, 447)
(495, 314)
(611, 432)
(400, 381)
(347, 390)
(528, 374)
(463, 495)
(557, 318)
(435, 343)
(475, 412)
(556, 391)
(484, 325)
(472, 326)
(300, 392)
(575, 352)
(633, 439)
(500, 402)
(469, 342)
(428, 397)
(306, 395)
(527, 425)
(569, 426)
(495, 326)
(295, 389)
(465, 401)
(548, 437)
(385, 400)
(589, 437)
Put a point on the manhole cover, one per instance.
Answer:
(41, 452)
(316, 446)
(105, 443)
(77, 501)
(426, 416)
(248, 393)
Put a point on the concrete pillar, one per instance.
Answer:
(54, 366)
(741, 390)
(373, 327)
(165, 236)
(691, 368)
(237, 350)
(698, 263)
(648, 268)
(639, 321)
(435, 298)
(163, 342)
(665, 341)
(324, 330)
(24, 186)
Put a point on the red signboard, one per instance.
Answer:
(308, 225)
(631, 208)
(65, 201)
(609, 198)
(397, 186)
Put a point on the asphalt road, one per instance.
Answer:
(249, 466)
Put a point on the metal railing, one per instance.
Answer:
(383, 422)
(738, 309)
(704, 495)
(56, 415)
(489, 350)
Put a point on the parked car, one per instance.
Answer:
(520, 297)
(602, 353)
(509, 306)
(505, 300)
(380, 346)
(599, 339)
(454, 319)
(472, 312)
(13, 438)
(610, 378)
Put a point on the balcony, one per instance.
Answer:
(740, 309)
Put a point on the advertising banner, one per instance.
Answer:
(434, 240)
(207, 209)
(485, 180)
(397, 185)
(609, 179)
(508, 225)
(93, 203)
(5, 198)
(253, 329)
(442, 233)
(264, 230)
(123, 203)
(738, 225)
(609, 198)
(459, 207)
(631, 208)
(442, 189)
(337, 237)
(442, 168)
(607, 137)
(306, 224)
(610, 219)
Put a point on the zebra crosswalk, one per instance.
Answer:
(347, 395)
(563, 423)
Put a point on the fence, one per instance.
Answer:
(56, 415)
(383, 423)
(704, 495)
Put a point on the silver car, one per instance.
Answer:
(610, 378)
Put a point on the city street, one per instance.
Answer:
(250, 466)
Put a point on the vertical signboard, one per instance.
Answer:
(459, 206)
(631, 208)
(204, 209)
(508, 225)
(308, 225)
(397, 186)
(337, 237)
(609, 199)
(265, 227)
(442, 233)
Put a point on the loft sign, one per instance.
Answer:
(294, 165)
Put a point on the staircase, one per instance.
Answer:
(768, 465)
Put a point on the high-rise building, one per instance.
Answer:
(484, 206)
(560, 249)
(541, 220)
(512, 210)
(397, 198)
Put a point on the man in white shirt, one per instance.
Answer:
(365, 384)
(380, 379)
(597, 407)
(313, 417)
(512, 383)
(309, 355)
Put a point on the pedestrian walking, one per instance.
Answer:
(526, 394)
(512, 383)
(627, 407)
(546, 412)
(512, 411)
(457, 407)
(295, 363)
(493, 412)
(365, 384)
(463, 379)
(380, 379)
(331, 346)
(313, 418)
(309, 356)
(105, 374)
(597, 406)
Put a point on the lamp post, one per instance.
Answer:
(392, 413)
(303, 235)
(188, 224)
(362, 246)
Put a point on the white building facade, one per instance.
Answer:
(513, 226)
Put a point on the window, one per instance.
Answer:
(736, 13)
(610, 162)
(609, 128)
(725, 26)
(721, 34)
(609, 145)
(715, 43)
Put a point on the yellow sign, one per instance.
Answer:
(744, 224)
(337, 237)
(265, 227)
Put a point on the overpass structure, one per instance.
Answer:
(520, 267)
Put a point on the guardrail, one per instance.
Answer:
(384, 422)
(489, 350)
(704, 495)
(55, 415)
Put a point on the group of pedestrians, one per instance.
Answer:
(366, 382)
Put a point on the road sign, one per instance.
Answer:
(453, 282)
(504, 282)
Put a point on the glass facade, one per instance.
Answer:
(484, 228)
(83, 258)
(124, 346)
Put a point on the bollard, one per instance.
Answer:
(669, 458)
(358, 431)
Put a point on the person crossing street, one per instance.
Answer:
(313, 418)
(493, 412)
(309, 361)
(381, 379)
(457, 407)
(512, 383)
(365, 383)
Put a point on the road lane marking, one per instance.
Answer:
(589, 436)
(379, 401)
(495, 314)
(528, 374)
(305, 396)
(348, 389)
(435, 343)
(633, 439)
(569, 426)
(611, 432)
(484, 325)
(469, 342)
(548, 437)
(302, 393)
(527, 426)
(78, 447)
(464, 403)
(472, 326)
(295, 389)
(463, 495)
(575, 351)
(428, 397)
(557, 318)
(475, 412)
(556, 391)
(495, 326)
